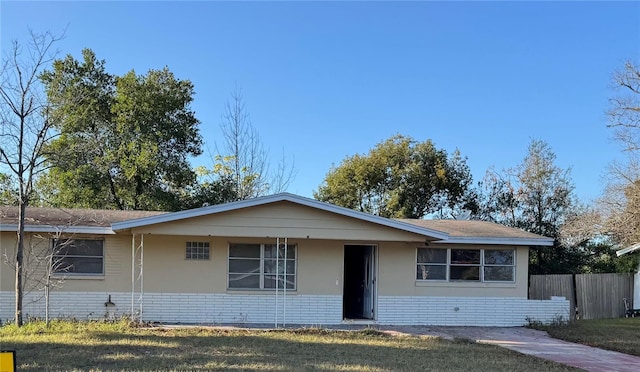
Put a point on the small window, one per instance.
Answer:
(78, 256)
(432, 264)
(465, 265)
(197, 251)
(499, 265)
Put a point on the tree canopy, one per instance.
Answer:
(124, 140)
(536, 196)
(400, 178)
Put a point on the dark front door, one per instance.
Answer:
(359, 282)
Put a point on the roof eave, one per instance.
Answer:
(498, 241)
(59, 229)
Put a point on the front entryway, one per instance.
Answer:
(359, 282)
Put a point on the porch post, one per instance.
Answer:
(133, 271)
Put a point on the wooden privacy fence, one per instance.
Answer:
(591, 296)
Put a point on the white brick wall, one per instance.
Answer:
(183, 307)
(474, 311)
(220, 308)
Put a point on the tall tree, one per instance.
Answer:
(400, 178)
(536, 196)
(27, 125)
(124, 140)
(241, 167)
(620, 204)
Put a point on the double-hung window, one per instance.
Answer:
(475, 265)
(78, 257)
(262, 266)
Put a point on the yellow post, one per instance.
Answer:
(7, 360)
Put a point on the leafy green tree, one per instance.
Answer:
(400, 178)
(124, 140)
(536, 196)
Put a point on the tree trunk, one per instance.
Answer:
(19, 263)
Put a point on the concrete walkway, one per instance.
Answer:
(533, 342)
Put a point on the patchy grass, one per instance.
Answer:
(618, 334)
(98, 346)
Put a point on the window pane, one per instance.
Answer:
(432, 255)
(244, 281)
(465, 256)
(498, 257)
(244, 250)
(270, 251)
(498, 273)
(77, 265)
(270, 266)
(465, 273)
(244, 266)
(79, 247)
(270, 282)
(431, 272)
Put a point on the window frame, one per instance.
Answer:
(195, 256)
(60, 273)
(481, 266)
(262, 273)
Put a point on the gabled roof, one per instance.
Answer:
(96, 221)
(481, 232)
(300, 200)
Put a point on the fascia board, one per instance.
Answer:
(60, 229)
(497, 241)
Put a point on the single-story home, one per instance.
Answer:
(279, 259)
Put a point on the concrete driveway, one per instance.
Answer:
(532, 342)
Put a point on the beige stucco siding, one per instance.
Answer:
(281, 219)
(319, 265)
(397, 276)
(117, 264)
(319, 268)
(7, 274)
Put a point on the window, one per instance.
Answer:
(197, 251)
(78, 256)
(262, 266)
(479, 265)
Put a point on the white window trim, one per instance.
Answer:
(481, 267)
(262, 273)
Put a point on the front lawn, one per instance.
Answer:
(618, 334)
(97, 346)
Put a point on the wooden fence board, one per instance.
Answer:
(601, 295)
(542, 287)
(594, 296)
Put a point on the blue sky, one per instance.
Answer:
(326, 80)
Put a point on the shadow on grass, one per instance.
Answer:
(267, 351)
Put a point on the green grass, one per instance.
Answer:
(618, 334)
(96, 346)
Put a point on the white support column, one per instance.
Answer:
(141, 274)
(277, 270)
(636, 289)
(284, 299)
(133, 272)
